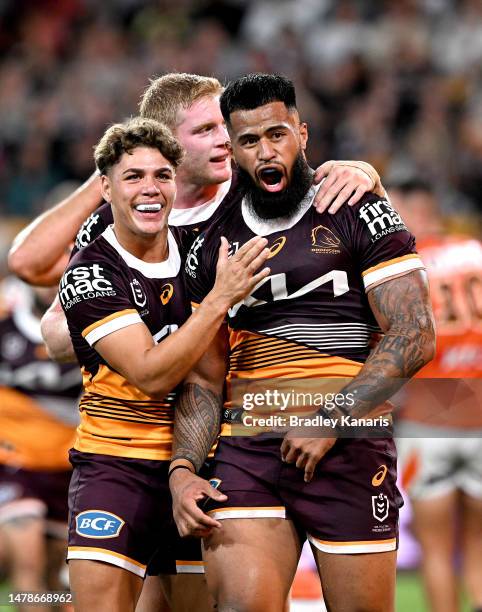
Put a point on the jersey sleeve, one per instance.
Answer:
(96, 300)
(200, 268)
(93, 227)
(381, 242)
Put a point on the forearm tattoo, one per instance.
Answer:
(196, 424)
(408, 344)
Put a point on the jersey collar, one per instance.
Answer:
(164, 269)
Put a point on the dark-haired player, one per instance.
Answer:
(333, 280)
(123, 296)
(189, 105)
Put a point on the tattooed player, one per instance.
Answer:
(333, 279)
(123, 296)
(189, 105)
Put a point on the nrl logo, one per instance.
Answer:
(139, 296)
(323, 240)
(380, 507)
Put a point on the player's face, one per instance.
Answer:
(141, 189)
(266, 142)
(203, 135)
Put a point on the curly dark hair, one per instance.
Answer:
(122, 138)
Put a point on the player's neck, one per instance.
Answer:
(190, 196)
(151, 249)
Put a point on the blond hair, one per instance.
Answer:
(122, 138)
(169, 94)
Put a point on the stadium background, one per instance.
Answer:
(397, 83)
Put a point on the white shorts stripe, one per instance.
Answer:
(353, 548)
(106, 558)
(187, 568)
(227, 513)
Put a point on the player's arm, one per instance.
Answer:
(157, 369)
(55, 333)
(403, 310)
(345, 182)
(196, 427)
(40, 252)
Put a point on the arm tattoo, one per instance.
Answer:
(402, 307)
(196, 425)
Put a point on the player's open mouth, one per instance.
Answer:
(271, 179)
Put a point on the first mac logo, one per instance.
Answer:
(98, 524)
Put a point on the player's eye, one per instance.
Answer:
(132, 176)
(205, 129)
(164, 176)
(277, 135)
(248, 141)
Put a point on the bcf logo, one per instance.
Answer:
(98, 524)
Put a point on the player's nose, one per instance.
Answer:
(265, 150)
(150, 186)
(222, 137)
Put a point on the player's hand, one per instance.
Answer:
(300, 447)
(187, 490)
(345, 182)
(238, 275)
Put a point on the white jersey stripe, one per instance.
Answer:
(112, 326)
(385, 273)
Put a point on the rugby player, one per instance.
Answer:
(123, 296)
(38, 418)
(441, 450)
(333, 280)
(189, 105)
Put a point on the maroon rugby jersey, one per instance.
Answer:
(311, 316)
(104, 289)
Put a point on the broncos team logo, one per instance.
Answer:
(167, 292)
(323, 240)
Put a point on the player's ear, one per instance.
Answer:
(105, 187)
(303, 135)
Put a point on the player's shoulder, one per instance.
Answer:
(94, 225)
(373, 214)
(98, 251)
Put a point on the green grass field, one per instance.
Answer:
(410, 595)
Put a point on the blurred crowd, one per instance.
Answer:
(397, 83)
